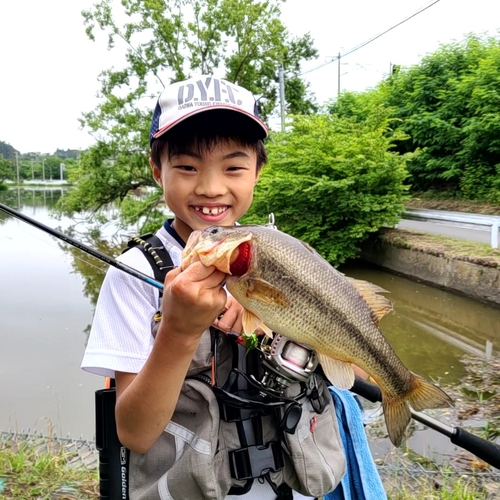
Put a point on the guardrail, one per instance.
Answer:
(458, 219)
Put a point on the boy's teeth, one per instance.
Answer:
(213, 211)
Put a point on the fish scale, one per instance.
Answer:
(324, 305)
(287, 287)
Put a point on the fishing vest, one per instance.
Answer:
(223, 437)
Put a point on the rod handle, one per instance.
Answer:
(366, 389)
(486, 450)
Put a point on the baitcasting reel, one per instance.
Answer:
(284, 362)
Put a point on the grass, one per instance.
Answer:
(26, 474)
(450, 488)
(442, 246)
(435, 200)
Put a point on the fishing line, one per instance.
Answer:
(50, 243)
(95, 253)
(88, 250)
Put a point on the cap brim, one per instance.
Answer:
(262, 131)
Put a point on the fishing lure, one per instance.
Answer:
(248, 341)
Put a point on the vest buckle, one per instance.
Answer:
(254, 461)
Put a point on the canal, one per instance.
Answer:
(47, 296)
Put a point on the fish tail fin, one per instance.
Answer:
(426, 395)
(397, 417)
(423, 395)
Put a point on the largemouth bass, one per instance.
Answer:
(285, 286)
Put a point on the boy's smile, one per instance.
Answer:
(213, 188)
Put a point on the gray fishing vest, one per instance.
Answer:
(211, 448)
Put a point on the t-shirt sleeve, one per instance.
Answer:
(120, 338)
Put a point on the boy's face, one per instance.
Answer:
(215, 189)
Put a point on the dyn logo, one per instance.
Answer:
(208, 92)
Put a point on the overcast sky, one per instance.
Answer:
(49, 68)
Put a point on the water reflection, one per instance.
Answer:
(430, 328)
(43, 317)
(48, 290)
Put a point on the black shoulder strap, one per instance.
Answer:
(155, 252)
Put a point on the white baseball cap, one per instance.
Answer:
(203, 93)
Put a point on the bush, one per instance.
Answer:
(330, 182)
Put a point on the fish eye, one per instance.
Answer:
(214, 230)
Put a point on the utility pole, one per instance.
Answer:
(282, 97)
(43, 169)
(17, 167)
(338, 75)
(32, 171)
(61, 166)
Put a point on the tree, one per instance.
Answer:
(331, 182)
(167, 41)
(448, 108)
(6, 170)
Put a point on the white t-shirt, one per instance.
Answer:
(120, 338)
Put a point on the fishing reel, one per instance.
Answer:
(285, 361)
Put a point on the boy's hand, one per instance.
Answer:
(232, 318)
(192, 300)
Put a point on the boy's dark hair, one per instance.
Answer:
(202, 132)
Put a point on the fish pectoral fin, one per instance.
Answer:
(267, 330)
(339, 373)
(251, 322)
(379, 304)
(265, 292)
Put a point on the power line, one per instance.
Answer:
(361, 45)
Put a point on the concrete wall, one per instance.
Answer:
(473, 280)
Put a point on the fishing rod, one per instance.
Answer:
(95, 253)
(485, 450)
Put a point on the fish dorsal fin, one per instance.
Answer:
(309, 247)
(251, 322)
(379, 304)
(261, 290)
(339, 373)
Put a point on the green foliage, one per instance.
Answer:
(105, 175)
(6, 170)
(168, 41)
(448, 108)
(330, 182)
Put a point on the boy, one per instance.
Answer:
(206, 154)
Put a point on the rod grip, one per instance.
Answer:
(367, 390)
(113, 457)
(486, 450)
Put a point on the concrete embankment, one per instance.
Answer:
(434, 262)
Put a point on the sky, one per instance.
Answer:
(49, 68)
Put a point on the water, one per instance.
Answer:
(46, 305)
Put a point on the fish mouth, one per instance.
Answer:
(218, 250)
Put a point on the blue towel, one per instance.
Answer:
(361, 480)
